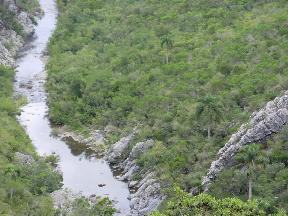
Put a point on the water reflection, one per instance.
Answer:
(79, 149)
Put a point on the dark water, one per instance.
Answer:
(81, 171)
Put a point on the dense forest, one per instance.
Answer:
(186, 73)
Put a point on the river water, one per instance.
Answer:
(81, 171)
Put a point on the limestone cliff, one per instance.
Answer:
(262, 124)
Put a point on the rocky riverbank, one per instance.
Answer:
(10, 38)
(146, 193)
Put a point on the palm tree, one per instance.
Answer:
(250, 156)
(167, 42)
(209, 111)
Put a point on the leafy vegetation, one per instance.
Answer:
(31, 6)
(24, 189)
(82, 206)
(263, 164)
(9, 21)
(187, 73)
(204, 204)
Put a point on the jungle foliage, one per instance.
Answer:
(204, 204)
(188, 73)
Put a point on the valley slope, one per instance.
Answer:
(185, 74)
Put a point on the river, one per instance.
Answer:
(81, 171)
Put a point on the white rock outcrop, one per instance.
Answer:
(10, 42)
(129, 166)
(262, 124)
(148, 195)
(117, 150)
(24, 159)
(63, 199)
(96, 140)
(21, 16)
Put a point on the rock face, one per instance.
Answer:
(10, 41)
(63, 199)
(117, 150)
(148, 194)
(24, 159)
(129, 166)
(263, 123)
(21, 16)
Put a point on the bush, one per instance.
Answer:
(204, 204)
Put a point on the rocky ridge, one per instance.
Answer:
(10, 41)
(146, 193)
(262, 124)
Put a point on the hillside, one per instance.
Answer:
(186, 74)
(25, 179)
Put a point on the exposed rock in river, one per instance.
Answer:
(63, 199)
(263, 123)
(95, 141)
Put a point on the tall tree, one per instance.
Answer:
(250, 156)
(167, 43)
(209, 111)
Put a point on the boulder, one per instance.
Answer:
(117, 150)
(24, 159)
(95, 141)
